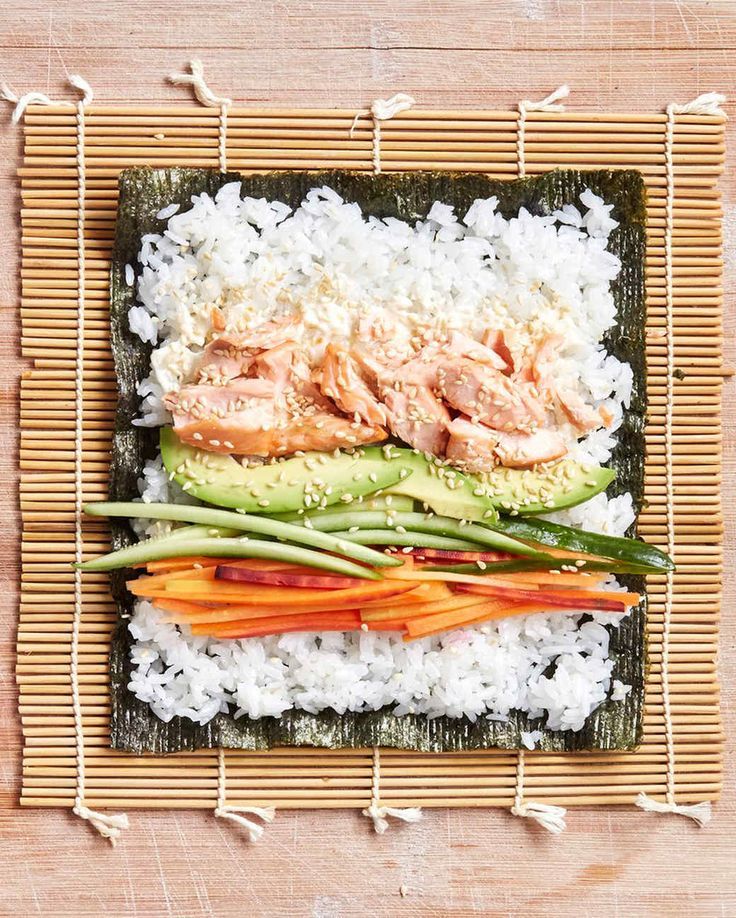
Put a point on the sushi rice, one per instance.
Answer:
(331, 267)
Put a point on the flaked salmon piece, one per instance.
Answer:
(413, 411)
(249, 417)
(391, 341)
(495, 339)
(341, 380)
(213, 417)
(471, 446)
(418, 417)
(486, 395)
(221, 362)
(566, 396)
(231, 355)
(524, 450)
(463, 346)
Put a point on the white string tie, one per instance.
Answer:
(382, 110)
(204, 94)
(551, 817)
(709, 103)
(378, 813)
(109, 826)
(698, 812)
(550, 103)
(254, 829)
(40, 98)
(196, 80)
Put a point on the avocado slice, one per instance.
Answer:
(546, 488)
(444, 489)
(309, 481)
(450, 492)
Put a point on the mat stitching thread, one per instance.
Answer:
(204, 94)
(706, 104)
(547, 815)
(108, 825)
(224, 811)
(384, 110)
(379, 813)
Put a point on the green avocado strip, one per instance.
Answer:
(243, 547)
(542, 532)
(419, 522)
(243, 522)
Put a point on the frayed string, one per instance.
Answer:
(700, 813)
(108, 826)
(204, 94)
(195, 79)
(550, 817)
(378, 813)
(21, 103)
(254, 829)
(709, 103)
(223, 811)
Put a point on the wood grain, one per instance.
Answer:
(616, 55)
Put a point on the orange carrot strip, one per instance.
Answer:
(431, 624)
(491, 612)
(166, 565)
(568, 598)
(222, 591)
(257, 627)
(391, 624)
(547, 578)
(453, 601)
(179, 607)
(443, 576)
(422, 592)
(142, 585)
(222, 614)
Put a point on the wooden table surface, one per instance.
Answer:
(617, 55)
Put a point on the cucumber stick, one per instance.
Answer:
(242, 522)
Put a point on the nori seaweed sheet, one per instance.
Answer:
(143, 192)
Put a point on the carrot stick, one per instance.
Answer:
(170, 565)
(221, 591)
(259, 627)
(140, 586)
(392, 624)
(452, 602)
(179, 607)
(491, 612)
(431, 624)
(602, 600)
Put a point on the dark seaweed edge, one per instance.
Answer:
(614, 725)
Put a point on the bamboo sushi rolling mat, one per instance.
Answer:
(679, 760)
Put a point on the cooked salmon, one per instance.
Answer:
(340, 379)
(472, 446)
(486, 395)
(524, 450)
(477, 403)
(564, 394)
